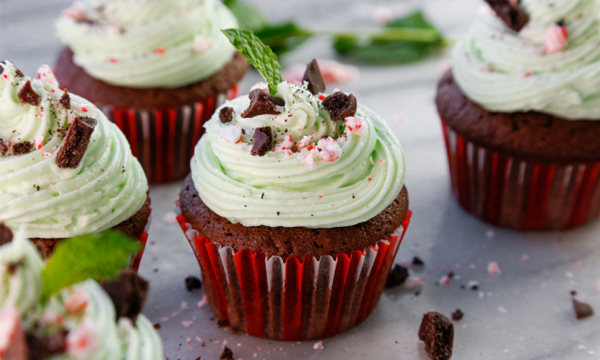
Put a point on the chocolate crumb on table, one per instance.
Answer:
(76, 142)
(397, 277)
(457, 315)
(192, 283)
(582, 310)
(227, 354)
(437, 332)
(417, 261)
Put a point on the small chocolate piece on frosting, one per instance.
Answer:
(397, 277)
(510, 12)
(340, 105)
(76, 142)
(65, 100)
(226, 114)
(582, 310)
(41, 348)
(263, 138)
(22, 148)
(6, 235)
(313, 77)
(128, 293)
(3, 147)
(437, 332)
(19, 73)
(227, 354)
(28, 95)
(262, 103)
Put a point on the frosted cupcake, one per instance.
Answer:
(79, 321)
(65, 170)
(521, 114)
(295, 206)
(157, 69)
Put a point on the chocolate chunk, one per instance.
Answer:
(226, 114)
(22, 148)
(457, 315)
(263, 140)
(417, 261)
(192, 283)
(3, 148)
(313, 77)
(582, 310)
(28, 95)
(75, 142)
(65, 100)
(19, 73)
(340, 105)
(510, 12)
(1, 69)
(6, 235)
(41, 348)
(437, 332)
(397, 277)
(227, 354)
(261, 103)
(128, 293)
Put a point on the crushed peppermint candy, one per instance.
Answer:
(231, 133)
(38, 142)
(304, 142)
(82, 342)
(493, 268)
(187, 323)
(286, 144)
(308, 160)
(318, 345)
(356, 125)
(202, 302)
(557, 37)
(329, 150)
(46, 75)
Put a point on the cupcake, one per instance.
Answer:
(66, 170)
(295, 207)
(80, 321)
(158, 69)
(520, 114)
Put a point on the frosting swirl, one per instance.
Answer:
(552, 65)
(320, 174)
(107, 187)
(148, 43)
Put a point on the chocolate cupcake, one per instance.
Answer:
(66, 170)
(157, 69)
(295, 208)
(521, 116)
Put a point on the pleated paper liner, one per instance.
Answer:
(522, 195)
(163, 140)
(293, 299)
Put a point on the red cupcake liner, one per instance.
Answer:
(163, 140)
(523, 195)
(293, 299)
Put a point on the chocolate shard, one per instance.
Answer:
(397, 277)
(19, 73)
(582, 310)
(3, 147)
(227, 354)
(128, 294)
(75, 142)
(226, 114)
(313, 77)
(510, 12)
(65, 100)
(340, 105)
(263, 140)
(6, 235)
(41, 348)
(28, 96)
(192, 283)
(262, 103)
(457, 315)
(22, 148)
(437, 332)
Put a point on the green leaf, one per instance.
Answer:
(96, 256)
(258, 55)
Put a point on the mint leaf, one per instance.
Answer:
(96, 256)
(258, 55)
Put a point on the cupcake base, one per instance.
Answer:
(293, 299)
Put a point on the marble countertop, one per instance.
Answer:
(523, 313)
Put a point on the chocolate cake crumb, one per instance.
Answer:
(192, 283)
(582, 310)
(510, 12)
(3, 147)
(6, 234)
(457, 315)
(262, 103)
(437, 332)
(313, 77)
(76, 142)
(227, 354)
(157, 326)
(128, 294)
(22, 148)
(46, 346)
(65, 100)
(263, 141)
(226, 114)
(28, 96)
(19, 73)
(340, 105)
(417, 261)
(397, 277)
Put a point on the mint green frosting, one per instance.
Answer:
(344, 178)
(507, 71)
(148, 43)
(106, 338)
(108, 186)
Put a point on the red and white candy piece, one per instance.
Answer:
(82, 342)
(308, 160)
(286, 144)
(45, 74)
(77, 302)
(38, 142)
(76, 11)
(231, 133)
(356, 125)
(304, 142)
(557, 38)
(329, 149)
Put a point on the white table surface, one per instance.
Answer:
(523, 313)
